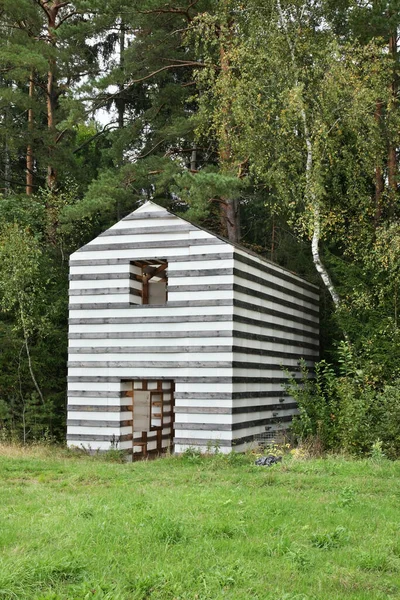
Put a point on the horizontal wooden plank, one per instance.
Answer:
(101, 276)
(274, 340)
(274, 300)
(75, 262)
(241, 410)
(142, 216)
(117, 379)
(203, 443)
(138, 307)
(294, 355)
(157, 335)
(226, 255)
(103, 291)
(249, 306)
(262, 422)
(150, 319)
(233, 427)
(203, 426)
(207, 287)
(259, 379)
(179, 227)
(93, 394)
(200, 273)
(271, 285)
(153, 245)
(277, 326)
(197, 410)
(97, 423)
(149, 349)
(88, 437)
(271, 268)
(260, 394)
(203, 395)
(146, 364)
(97, 408)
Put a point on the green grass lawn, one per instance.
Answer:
(197, 528)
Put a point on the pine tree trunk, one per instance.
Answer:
(379, 185)
(29, 150)
(120, 102)
(392, 157)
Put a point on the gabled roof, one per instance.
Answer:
(151, 210)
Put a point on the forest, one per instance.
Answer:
(274, 123)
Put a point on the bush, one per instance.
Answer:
(344, 411)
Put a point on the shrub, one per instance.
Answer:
(344, 411)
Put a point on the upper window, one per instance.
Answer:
(148, 281)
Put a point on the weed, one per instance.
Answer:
(377, 453)
(300, 558)
(168, 530)
(327, 541)
(347, 497)
(378, 561)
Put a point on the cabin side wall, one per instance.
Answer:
(275, 325)
(187, 340)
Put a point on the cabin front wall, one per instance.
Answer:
(275, 324)
(187, 340)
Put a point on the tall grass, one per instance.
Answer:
(197, 528)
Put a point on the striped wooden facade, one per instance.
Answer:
(212, 354)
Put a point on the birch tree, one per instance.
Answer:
(303, 116)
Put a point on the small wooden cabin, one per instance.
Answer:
(178, 339)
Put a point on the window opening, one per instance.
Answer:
(148, 282)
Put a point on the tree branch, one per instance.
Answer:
(149, 76)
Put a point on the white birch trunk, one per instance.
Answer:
(314, 202)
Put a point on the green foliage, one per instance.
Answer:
(346, 411)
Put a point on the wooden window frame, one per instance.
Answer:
(155, 268)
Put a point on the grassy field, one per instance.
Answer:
(197, 529)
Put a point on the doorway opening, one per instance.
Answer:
(152, 416)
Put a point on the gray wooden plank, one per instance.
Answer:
(150, 319)
(277, 326)
(117, 379)
(203, 426)
(271, 285)
(203, 395)
(93, 394)
(75, 262)
(149, 349)
(151, 245)
(226, 255)
(274, 300)
(100, 276)
(275, 340)
(206, 287)
(137, 307)
(88, 437)
(276, 353)
(182, 227)
(198, 410)
(271, 268)
(200, 273)
(159, 364)
(208, 443)
(100, 291)
(141, 335)
(239, 410)
(96, 408)
(97, 423)
(249, 306)
(142, 216)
